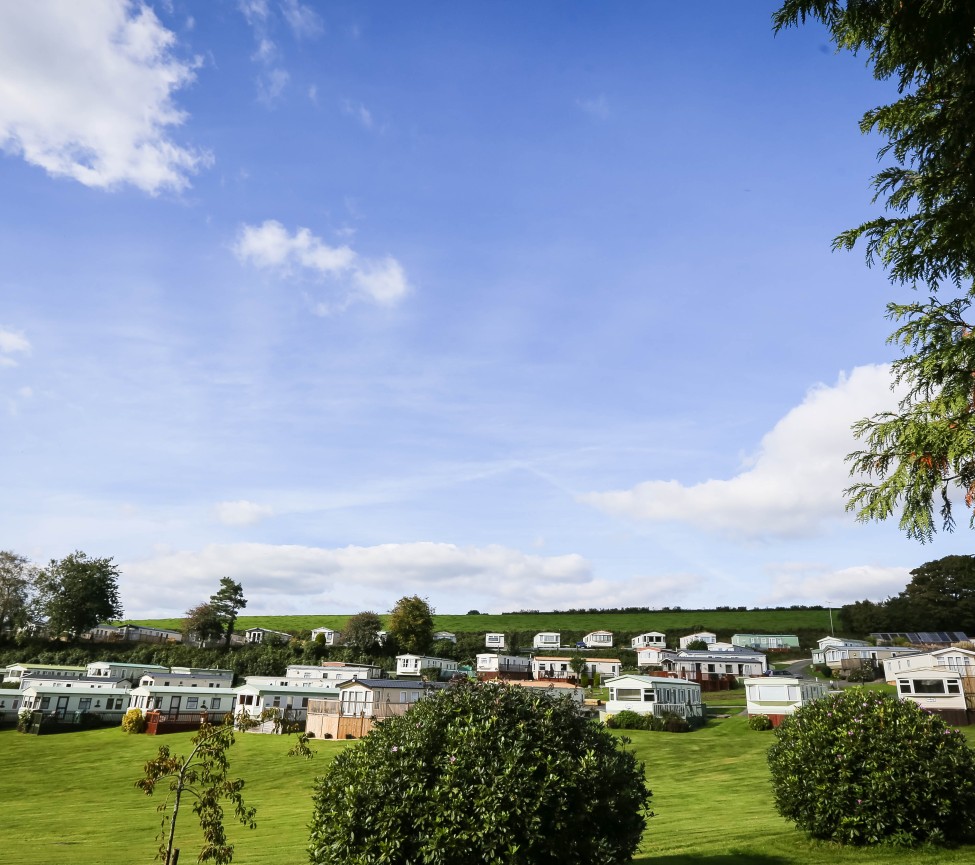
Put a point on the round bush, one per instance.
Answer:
(482, 773)
(759, 722)
(863, 767)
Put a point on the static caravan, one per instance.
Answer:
(413, 665)
(261, 635)
(649, 640)
(186, 700)
(327, 636)
(291, 700)
(654, 695)
(706, 637)
(780, 696)
(494, 641)
(940, 690)
(65, 702)
(598, 640)
(766, 642)
(47, 672)
(547, 640)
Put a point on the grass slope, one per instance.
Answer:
(730, 621)
(70, 798)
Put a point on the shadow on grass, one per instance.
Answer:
(744, 858)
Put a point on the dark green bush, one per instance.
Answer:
(759, 722)
(482, 773)
(863, 767)
(628, 720)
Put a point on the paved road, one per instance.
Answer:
(800, 668)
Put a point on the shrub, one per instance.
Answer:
(482, 773)
(23, 720)
(759, 722)
(628, 720)
(864, 767)
(134, 721)
(673, 723)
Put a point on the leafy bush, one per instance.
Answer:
(864, 767)
(134, 721)
(759, 722)
(628, 720)
(23, 720)
(482, 773)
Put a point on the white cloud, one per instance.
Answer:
(819, 584)
(383, 282)
(242, 513)
(279, 577)
(304, 21)
(271, 247)
(597, 107)
(359, 112)
(86, 92)
(12, 342)
(789, 488)
(271, 85)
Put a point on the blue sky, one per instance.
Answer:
(513, 306)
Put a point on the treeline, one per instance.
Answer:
(940, 597)
(259, 659)
(611, 610)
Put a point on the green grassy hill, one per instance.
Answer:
(720, 621)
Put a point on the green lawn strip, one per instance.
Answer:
(740, 621)
(70, 798)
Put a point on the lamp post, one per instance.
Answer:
(829, 606)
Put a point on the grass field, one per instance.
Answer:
(730, 621)
(70, 798)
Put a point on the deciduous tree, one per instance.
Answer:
(915, 458)
(77, 592)
(204, 775)
(204, 621)
(227, 602)
(18, 578)
(360, 631)
(411, 624)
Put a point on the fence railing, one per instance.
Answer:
(357, 710)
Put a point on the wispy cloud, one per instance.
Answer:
(270, 246)
(12, 342)
(790, 488)
(358, 111)
(596, 107)
(86, 92)
(304, 21)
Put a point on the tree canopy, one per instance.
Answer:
(411, 624)
(482, 773)
(226, 603)
(77, 592)
(18, 578)
(360, 631)
(939, 597)
(914, 459)
(204, 621)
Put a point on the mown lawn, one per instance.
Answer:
(70, 798)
